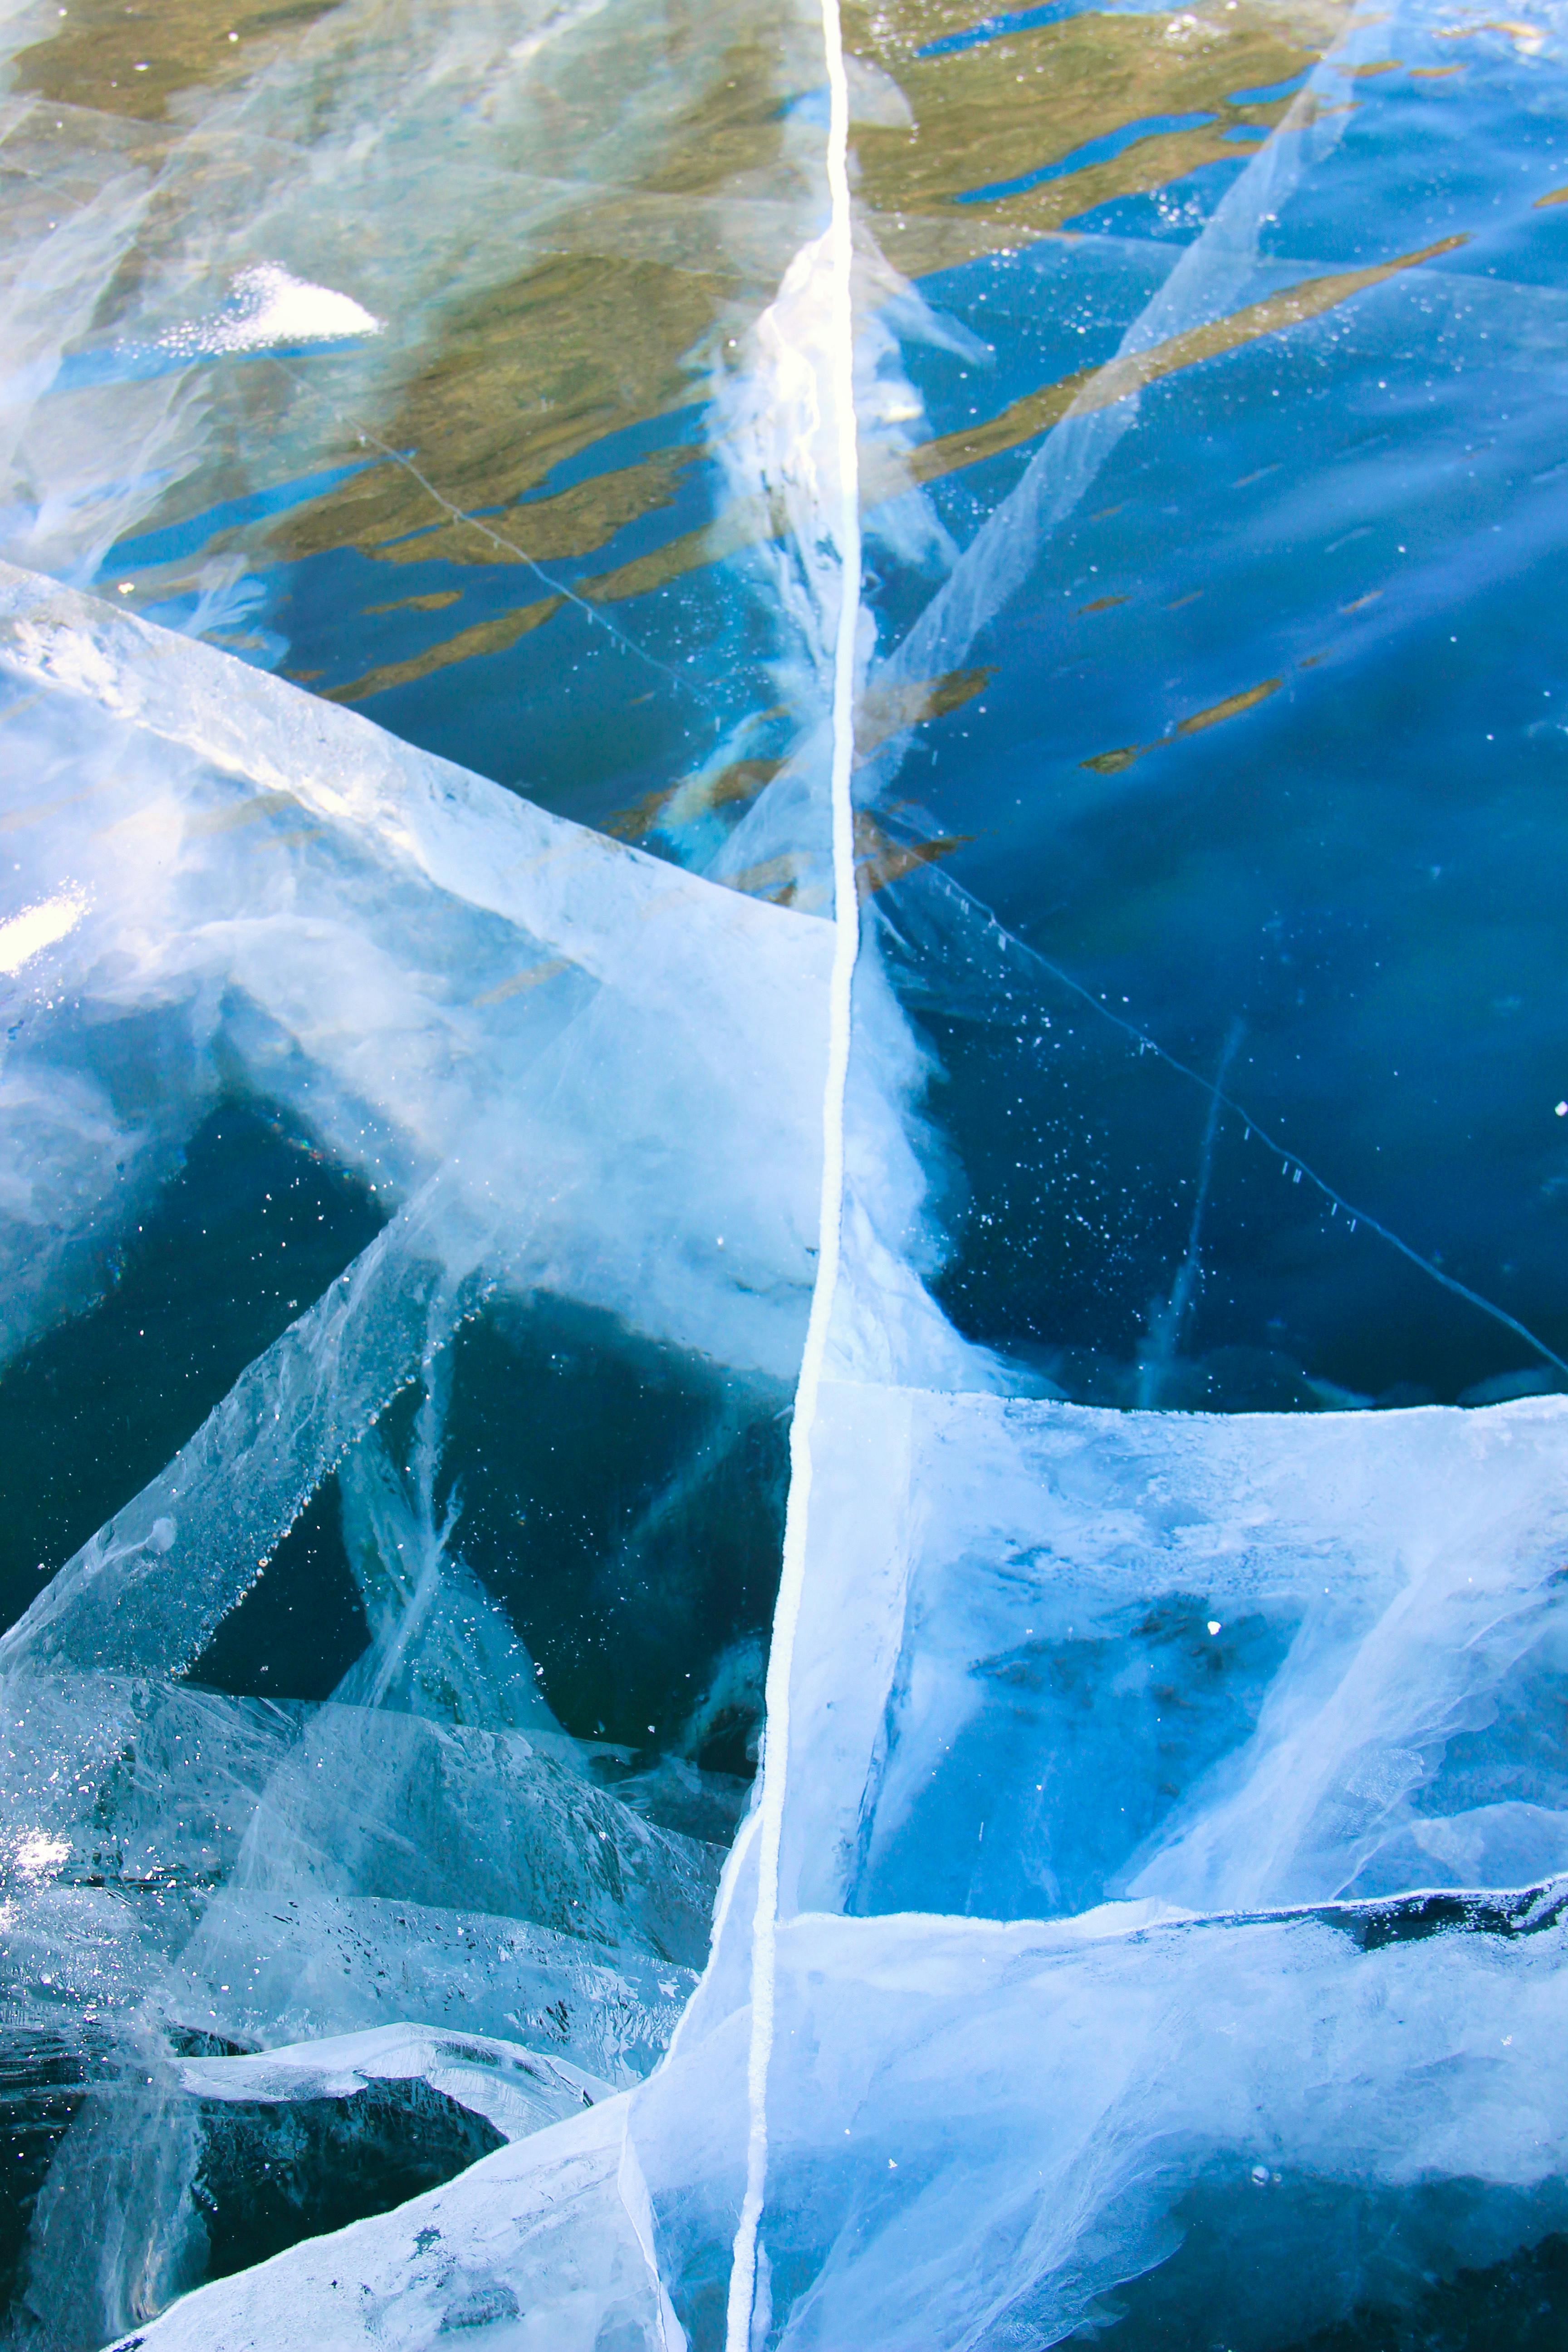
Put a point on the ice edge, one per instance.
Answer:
(846, 946)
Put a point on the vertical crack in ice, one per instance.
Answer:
(844, 528)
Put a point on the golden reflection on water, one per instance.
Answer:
(132, 61)
(1086, 390)
(1092, 388)
(995, 113)
(627, 290)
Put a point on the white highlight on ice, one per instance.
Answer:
(268, 306)
(36, 927)
(39, 1856)
(839, 248)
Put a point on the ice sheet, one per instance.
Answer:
(1161, 1827)
(995, 2124)
(517, 2089)
(536, 2246)
(553, 968)
(1233, 1662)
(416, 956)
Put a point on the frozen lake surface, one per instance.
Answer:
(783, 1163)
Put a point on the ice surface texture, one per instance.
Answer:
(427, 956)
(1162, 1832)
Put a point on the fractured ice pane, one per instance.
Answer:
(1229, 1663)
(1061, 505)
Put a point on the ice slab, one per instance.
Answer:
(1181, 1686)
(492, 1013)
(373, 1802)
(542, 2247)
(517, 2089)
(269, 1873)
(1231, 1662)
(163, 269)
(266, 1970)
(996, 2124)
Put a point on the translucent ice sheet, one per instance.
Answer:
(867, 1647)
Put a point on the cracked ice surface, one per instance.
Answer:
(1152, 1902)
(181, 1849)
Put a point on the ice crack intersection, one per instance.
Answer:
(845, 531)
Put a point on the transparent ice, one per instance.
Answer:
(1161, 1838)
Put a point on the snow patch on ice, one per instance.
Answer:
(268, 305)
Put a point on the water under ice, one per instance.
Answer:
(782, 1364)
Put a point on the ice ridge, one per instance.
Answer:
(844, 523)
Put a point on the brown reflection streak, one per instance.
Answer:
(249, 812)
(533, 977)
(740, 781)
(580, 344)
(748, 521)
(92, 58)
(585, 340)
(635, 824)
(881, 861)
(994, 113)
(485, 637)
(885, 710)
(1111, 763)
(532, 375)
(1094, 388)
(888, 709)
(1231, 708)
(534, 372)
(434, 603)
(776, 879)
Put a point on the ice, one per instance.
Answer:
(1154, 1897)
(516, 2090)
(439, 1646)
(173, 2170)
(539, 2247)
(999, 2123)
(239, 1876)
(371, 163)
(1231, 1662)
(274, 1968)
(589, 974)
(373, 1802)
(409, 957)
